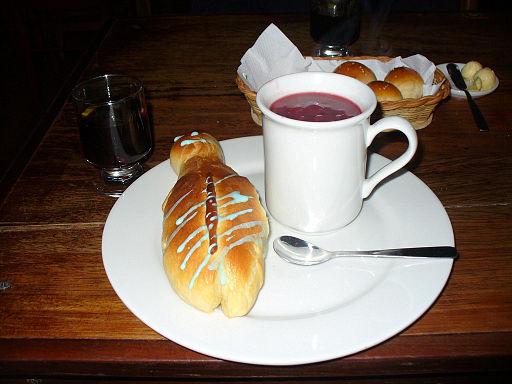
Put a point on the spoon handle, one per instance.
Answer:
(430, 252)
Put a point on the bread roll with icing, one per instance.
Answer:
(356, 70)
(407, 80)
(385, 91)
(215, 230)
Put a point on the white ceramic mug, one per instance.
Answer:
(315, 171)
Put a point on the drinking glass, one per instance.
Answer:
(115, 134)
(335, 24)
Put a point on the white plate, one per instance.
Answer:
(303, 314)
(456, 92)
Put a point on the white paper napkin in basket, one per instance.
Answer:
(274, 55)
(271, 56)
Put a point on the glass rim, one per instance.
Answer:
(80, 85)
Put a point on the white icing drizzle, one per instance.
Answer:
(191, 251)
(175, 205)
(234, 197)
(177, 230)
(218, 264)
(191, 209)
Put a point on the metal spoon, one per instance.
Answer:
(302, 252)
(459, 82)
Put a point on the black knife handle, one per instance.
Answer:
(459, 82)
(477, 114)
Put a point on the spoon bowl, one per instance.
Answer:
(301, 252)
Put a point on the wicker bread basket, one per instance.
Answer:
(418, 111)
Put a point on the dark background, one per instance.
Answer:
(44, 42)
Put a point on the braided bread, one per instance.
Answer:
(215, 230)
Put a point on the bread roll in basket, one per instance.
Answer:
(215, 230)
(419, 112)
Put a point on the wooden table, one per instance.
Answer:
(60, 318)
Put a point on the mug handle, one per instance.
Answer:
(395, 123)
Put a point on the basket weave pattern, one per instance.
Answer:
(418, 111)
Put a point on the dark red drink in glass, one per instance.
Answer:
(335, 24)
(115, 134)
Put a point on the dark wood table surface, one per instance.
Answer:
(61, 319)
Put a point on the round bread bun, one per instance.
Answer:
(475, 84)
(485, 77)
(407, 80)
(469, 70)
(356, 70)
(385, 91)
